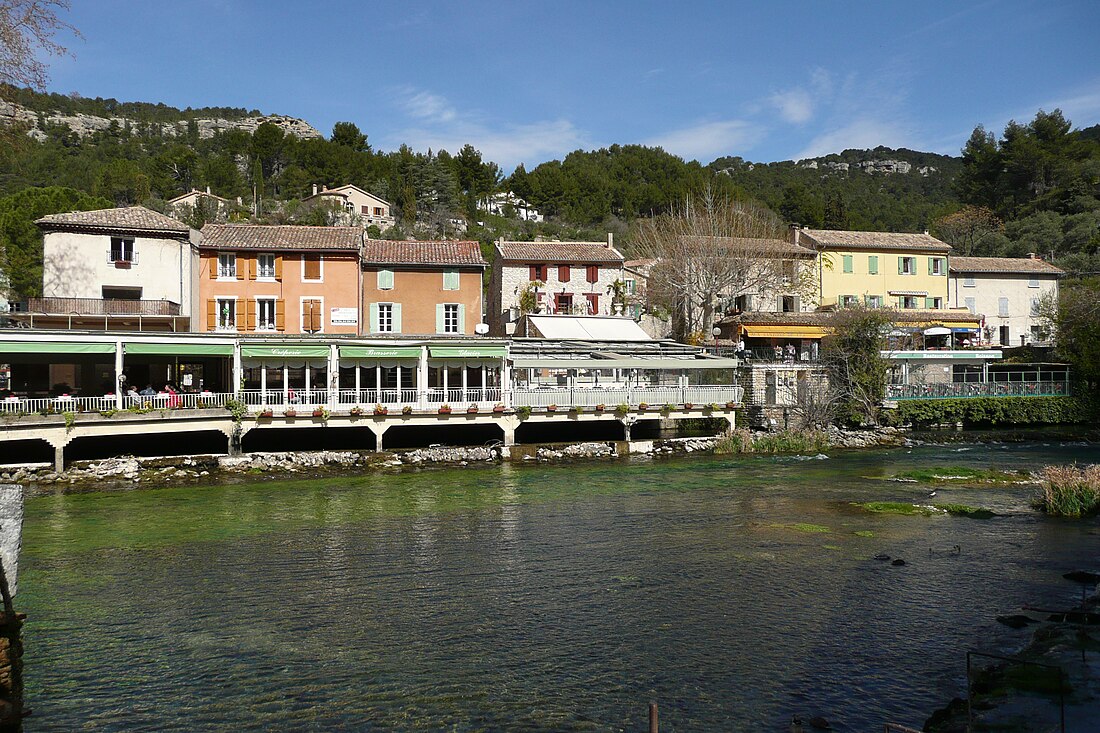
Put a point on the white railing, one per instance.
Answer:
(633, 396)
(180, 400)
(367, 398)
(290, 397)
(58, 405)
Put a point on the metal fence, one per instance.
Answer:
(952, 390)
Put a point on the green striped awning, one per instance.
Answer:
(467, 352)
(272, 351)
(179, 349)
(379, 352)
(55, 347)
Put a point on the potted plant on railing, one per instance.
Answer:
(523, 412)
(574, 410)
(407, 410)
(622, 409)
(444, 409)
(471, 410)
(356, 411)
(381, 409)
(731, 405)
(688, 405)
(551, 408)
(267, 412)
(668, 407)
(601, 407)
(498, 408)
(290, 412)
(322, 413)
(643, 406)
(714, 407)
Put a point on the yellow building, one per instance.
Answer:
(879, 269)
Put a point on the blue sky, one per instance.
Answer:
(530, 81)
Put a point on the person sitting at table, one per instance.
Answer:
(174, 400)
(148, 391)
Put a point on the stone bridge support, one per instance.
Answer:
(379, 428)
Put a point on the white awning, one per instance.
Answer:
(588, 328)
(937, 331)
(636, 362)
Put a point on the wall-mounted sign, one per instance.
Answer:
(344, 317)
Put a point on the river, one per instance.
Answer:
(534, 597)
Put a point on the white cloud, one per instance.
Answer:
(507, 146)
(866, 132)
(794, 105)
(709, 140)
(426, 106)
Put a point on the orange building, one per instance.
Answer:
(422, 287)
(279, 279)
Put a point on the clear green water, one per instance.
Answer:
(735, 592)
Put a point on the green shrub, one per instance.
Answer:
(787, 441)
(736, 441)
(991, 411)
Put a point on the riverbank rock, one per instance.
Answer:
(577, 450)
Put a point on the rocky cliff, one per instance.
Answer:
(84, 124)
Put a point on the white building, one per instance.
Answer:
(215, 206)
(498, 203)
(359, 205)
(1008, 291)
(575, 278)
(121, 269)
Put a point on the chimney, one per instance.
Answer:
(926, 232)
(314, 189)
(208, 190)
(1032, 256)
(794, 233)
(611, 240)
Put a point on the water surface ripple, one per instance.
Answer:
(532, 598)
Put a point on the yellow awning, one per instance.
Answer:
(784, 332)
(953, 324)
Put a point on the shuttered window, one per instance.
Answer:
(847, 261)
(592, 273)
(872, 264)
(450, 279)
(538, 272)
(311, 267)
(385, 279)
(563, 273)
(312, 315)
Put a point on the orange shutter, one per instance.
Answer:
(280, 311)
(278, 267)
(238, 316)
(318, 317)
(211, 315)
(240, 267)
(312, 270)
(250, 307)
(213, 262)
(251, 268)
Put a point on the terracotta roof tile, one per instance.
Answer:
(564, 252)
(1014, 265)
(280, 237)
(130, 218)
(386, 252)
(873, 240)
(821, 318)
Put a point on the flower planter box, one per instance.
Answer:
(551, 408)
(407, 410)
(498, 409)
(379, 411)
(318, 413)
(290, 413)
(688, 405)
(266, 413)
(731, 405)
(601, 408)
(444, 411)
(356, 411)
(471, 410)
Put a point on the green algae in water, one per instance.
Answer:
(927, 510)
(963, 474)
(802, 527)
(863, 533)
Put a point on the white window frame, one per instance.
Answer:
(321, 262)
(124, 244)
(271, 325)
(874, 301)
(969, 282)
(937, 303)
(448, 309)
(908, 265)
(218, 325)
(906, 300)
(1033, 282)
(938, 267)
(387, 325)
(849, 301)
(301, 301)
(260, 277)
(224, 272)
(971, 304)
(1003, 307)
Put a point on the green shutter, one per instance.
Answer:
(872, 265)
(385, 279)
(461, 318)
(847, 263)
(374, 318)
(928, 304)
(840, 300)
(450, 279)
(439, 318)
(901, 265)
(396, 318)
(930, 261)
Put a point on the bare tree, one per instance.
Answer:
(28, 27)
(968, 228)
(714, 247)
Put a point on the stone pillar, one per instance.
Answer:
(508, 425)
(379, 428)
(59, 458)
(627, 421)
(118, 373)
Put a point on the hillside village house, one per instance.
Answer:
(279, 279)
(128, 269)
(359, 205)
(214, 206)
(1008, 291)
(574, 278)
(422, 287)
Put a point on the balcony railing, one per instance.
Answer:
(952, 390)
(100, 307)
